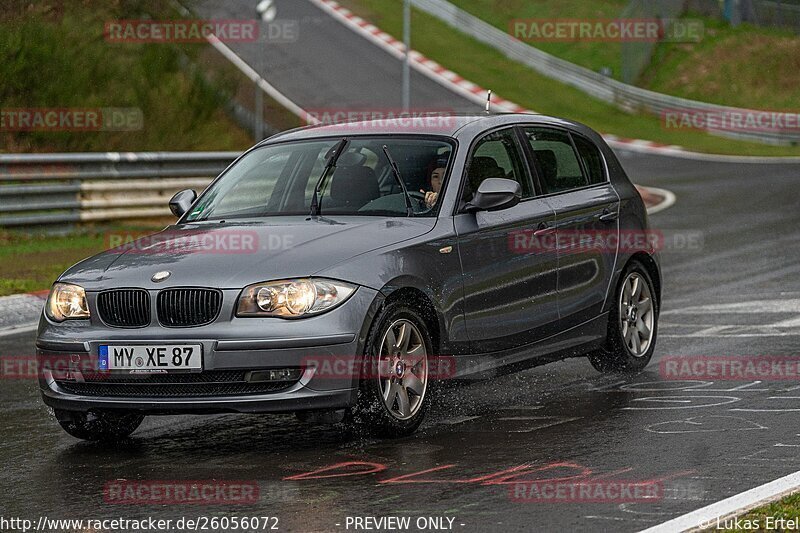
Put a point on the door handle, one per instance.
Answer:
(608, 216)
(543, 229)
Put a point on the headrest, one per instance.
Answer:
(351, 159)
(355, 186)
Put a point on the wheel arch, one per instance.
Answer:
(653, 270)
(419, 297)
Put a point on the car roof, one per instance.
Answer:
(419, 123)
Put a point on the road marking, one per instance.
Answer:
(696, 421)
(620, 519)
(722, 400)
(791, 305)
(708, 516)
(666, 203)
(727, 335)
(753, 308)
(458, 420)
(537, 422)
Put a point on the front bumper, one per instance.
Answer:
(327, 349)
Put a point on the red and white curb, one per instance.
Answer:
(656, 199)
(710, 516)
(477, 94)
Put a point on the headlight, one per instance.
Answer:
(66, 302)
(292, 298)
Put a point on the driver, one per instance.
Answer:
(435, 179)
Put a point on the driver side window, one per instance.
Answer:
(497, 155)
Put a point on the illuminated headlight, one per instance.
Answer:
(293, 298)
(66, 302)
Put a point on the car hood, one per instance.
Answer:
(229, 256)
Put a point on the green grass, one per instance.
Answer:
(592, 55)
(750, 67)
(57, 57)
(485, 66)
(32, 262)
(787, 508)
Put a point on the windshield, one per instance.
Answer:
(280, 179)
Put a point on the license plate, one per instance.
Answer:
(152, 358)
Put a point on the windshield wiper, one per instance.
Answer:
(396, 172)
(333, 157)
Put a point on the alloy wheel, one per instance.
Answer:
(403, 369)
(636, 314)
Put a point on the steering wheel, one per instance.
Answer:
(419, 197)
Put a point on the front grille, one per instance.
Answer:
(211, 376)
(124, 308)
(181, 308)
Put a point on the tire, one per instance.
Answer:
(398, 369)
(625, 321)
(102, 426)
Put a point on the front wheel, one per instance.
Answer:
(98, 425)
(394, 393)
(632, 324)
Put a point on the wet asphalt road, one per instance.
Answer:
(704, 440)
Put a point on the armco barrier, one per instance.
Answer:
(40, 189)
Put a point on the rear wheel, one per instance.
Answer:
(394, 392)
(632, 324)
(98, 425)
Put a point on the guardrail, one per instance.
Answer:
(624, 96)
(38, 189)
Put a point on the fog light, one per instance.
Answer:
(278, 375)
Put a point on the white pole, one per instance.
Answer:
(406, 63)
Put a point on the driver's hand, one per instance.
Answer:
(430, 198)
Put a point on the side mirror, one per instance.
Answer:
(495, 194)
(182, 202)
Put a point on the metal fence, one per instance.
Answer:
(38, 189)
(624, 96)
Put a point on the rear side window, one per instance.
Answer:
(496, 156)
(559, 167)
(592, 160)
